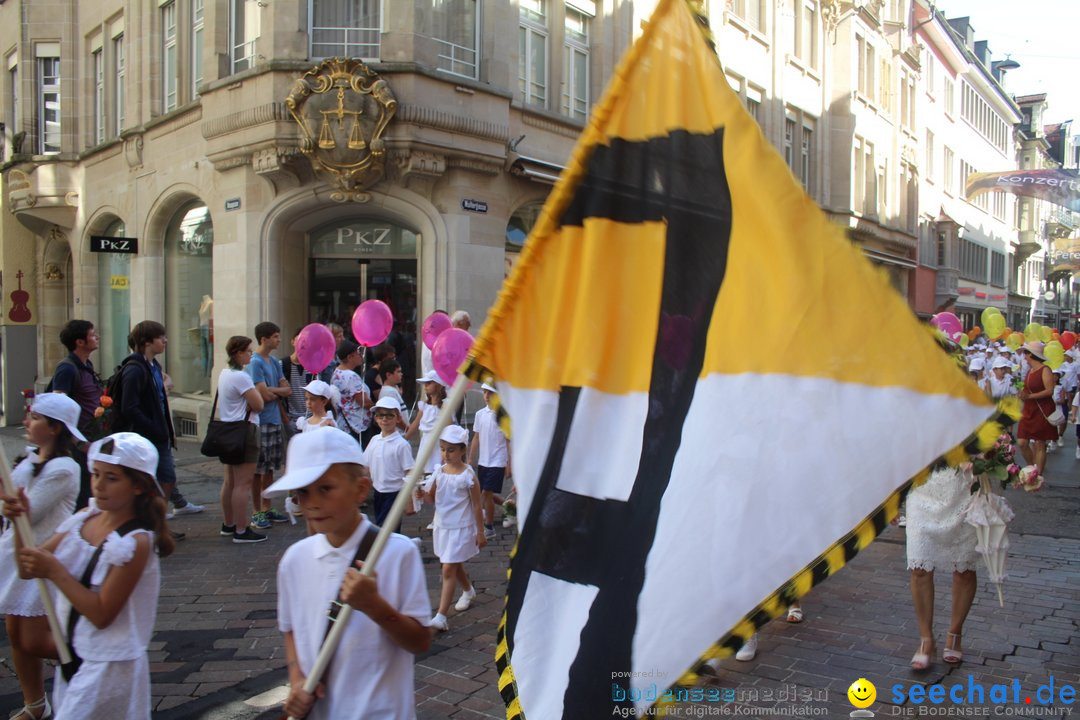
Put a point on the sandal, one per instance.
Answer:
(921, 660)
(953, 656)
(30, 710)
(794, 615)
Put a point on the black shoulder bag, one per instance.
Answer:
(69, 669)
(225, 439)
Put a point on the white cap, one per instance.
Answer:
(431, 376)
(387, 403)
(976, 364)
(489, 388)
(129, 450)
(59, 406)
(324, 389)
(311, 454)
(455, 435)
(1001, 362)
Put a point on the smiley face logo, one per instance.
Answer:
(862, 693)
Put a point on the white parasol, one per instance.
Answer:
(989, 514)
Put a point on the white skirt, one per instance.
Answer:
(938, 538)
(17, 596)
(455, 545)
(114, 689)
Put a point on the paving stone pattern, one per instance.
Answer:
(216, 643)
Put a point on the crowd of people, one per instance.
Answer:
(342, 435)
(98, 483)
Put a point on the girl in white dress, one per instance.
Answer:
(319, 397)
(459, 525)
(427, 413)
(50, 479)
(124, 528)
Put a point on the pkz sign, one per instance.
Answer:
(106, 244)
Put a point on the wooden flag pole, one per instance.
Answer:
(431, 440)
(26, 536)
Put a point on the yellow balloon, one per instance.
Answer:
(1014, 341)
(1055, 354)
(1032, 330)
(964, 340)
(994, 326)
(1046, 334)
(987, 314)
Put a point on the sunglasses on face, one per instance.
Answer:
(384, 415)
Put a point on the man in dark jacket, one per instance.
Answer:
(144, 405)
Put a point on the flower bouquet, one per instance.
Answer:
(998, 463)
(104, 419)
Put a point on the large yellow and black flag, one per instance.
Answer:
(714, 399)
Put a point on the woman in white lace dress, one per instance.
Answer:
(939, 539)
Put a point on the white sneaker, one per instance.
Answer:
(1051, 446)
(748, 651)
(189, 509)
(465, 601)
(902, 520)
(170, 514)
(508, 522)
(439, 623)
(1078, 452)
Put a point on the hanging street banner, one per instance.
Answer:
(1065, 255)
(1060, 187)
(695, 445)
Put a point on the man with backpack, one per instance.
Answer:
(144, 406)
(75, 377)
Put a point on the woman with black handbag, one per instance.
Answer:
(240, 401)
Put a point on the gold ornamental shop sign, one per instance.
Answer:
(343, 108)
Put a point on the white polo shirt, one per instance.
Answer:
(389, 458)
(493, 451)
(370, 677)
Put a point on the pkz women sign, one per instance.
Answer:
(362, 238)
(106, 244)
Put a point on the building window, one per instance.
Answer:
(885, 93)
(999, 205)
(753, 104)
(13, 96)
(120, 71)
(789, 143)
(532, 52)
(942, 249)
(345, 28)
(456, 31)
(98, 65)
(928, 66)
(749, 10)
(198, 13)
(114, 275)
(997, 267)
(909, 197)
(189, 271)
(244, 24)
(974, 261)
(48, 125)
(930, 156)
(907, 101)
(169, 68)
(806, 34)
(949, 86)
(575, 101)
(865, 180)
(950, 180)
(867, 63)
(883, 190)
(806, 171)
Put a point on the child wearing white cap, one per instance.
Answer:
(490, 450)
(371, 674)
(389, 457)
(104, 564)
(459, 525)
(319, 397)
(427, 413)
(50, 479)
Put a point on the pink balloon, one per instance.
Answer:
(372, 322)
(449, 352)
(947, 323)
(315, 347)
(433, 327)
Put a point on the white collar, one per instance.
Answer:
(323, 548)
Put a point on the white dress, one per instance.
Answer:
(114, 678)
(938, 538)
(454, 536)
(52, 499)
(303, 424)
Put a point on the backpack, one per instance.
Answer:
(114, 421)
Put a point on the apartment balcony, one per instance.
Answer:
(1027, 246)
(948, 284)
(43, 195)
